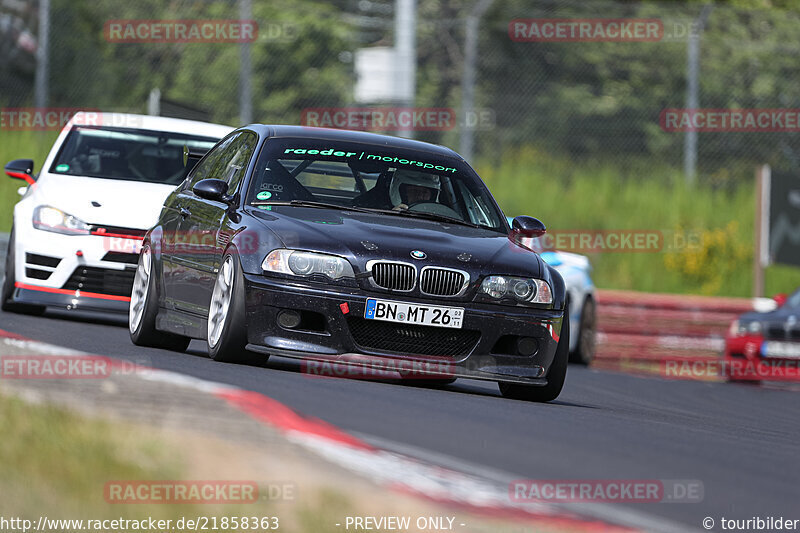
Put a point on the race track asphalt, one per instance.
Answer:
(740, 441)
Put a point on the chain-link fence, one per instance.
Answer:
(604, 100)
(593, 98)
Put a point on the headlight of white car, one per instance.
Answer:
(299, 263)
(49, 218)
(523, 290)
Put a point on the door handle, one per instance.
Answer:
(185, 213)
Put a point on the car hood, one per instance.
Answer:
(364, 236)
(778, 315)
(108, 202)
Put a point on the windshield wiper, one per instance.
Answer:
(309, 203)
(436, 217)
(415, 214)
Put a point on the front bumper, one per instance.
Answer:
(70, 300)
(334, 330)
(85, 272)
(745, 359)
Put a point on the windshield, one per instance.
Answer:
(350, 175)
(794, 300)
(127, 154)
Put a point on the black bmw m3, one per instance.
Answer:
(349, 247)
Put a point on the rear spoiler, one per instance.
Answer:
(192, 155)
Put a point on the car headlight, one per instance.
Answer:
(49, 218)
(523, 290)
(298, 263)
(753, 327)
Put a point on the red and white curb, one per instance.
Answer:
(483, 492)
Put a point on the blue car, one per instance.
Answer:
(576, 271)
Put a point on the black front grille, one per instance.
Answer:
(122, 257)
(36, 273)
(779, 333)
(42, 260)
(441, 281)
(118, 231)
(101, 280)
(394, 276)
(411, 339)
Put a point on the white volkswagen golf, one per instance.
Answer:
(78, 228)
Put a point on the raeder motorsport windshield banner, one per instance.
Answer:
(365, 156)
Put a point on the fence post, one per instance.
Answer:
(692, 89)
(466, 135)
(41, 88)
(245, 70)
(405, 56)
(763, 174)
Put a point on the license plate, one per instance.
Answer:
(782, 350)
(407, 313)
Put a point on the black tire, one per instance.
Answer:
(441, 382)
(729, 378)
(751, 382)
(555, 376)
(586, 346)
(9, 279)
(145, 332)
(230, 348)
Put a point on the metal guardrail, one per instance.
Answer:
(641, 331)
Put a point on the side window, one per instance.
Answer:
(241, 150)
(204, 168)
(475, 207)
(228, 161)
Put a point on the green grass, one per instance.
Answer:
(20, 145)
(566, 196)
(56, 463)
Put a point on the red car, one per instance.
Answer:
(765, 346)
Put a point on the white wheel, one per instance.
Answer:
(143, 309)
(141, 283)
(220, 302)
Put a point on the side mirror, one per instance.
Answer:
(21, 169)
(523, 227)
(211, 189)
(780, 299)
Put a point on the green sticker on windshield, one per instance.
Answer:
(265, 207)
(62, 168)
(264, 195)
